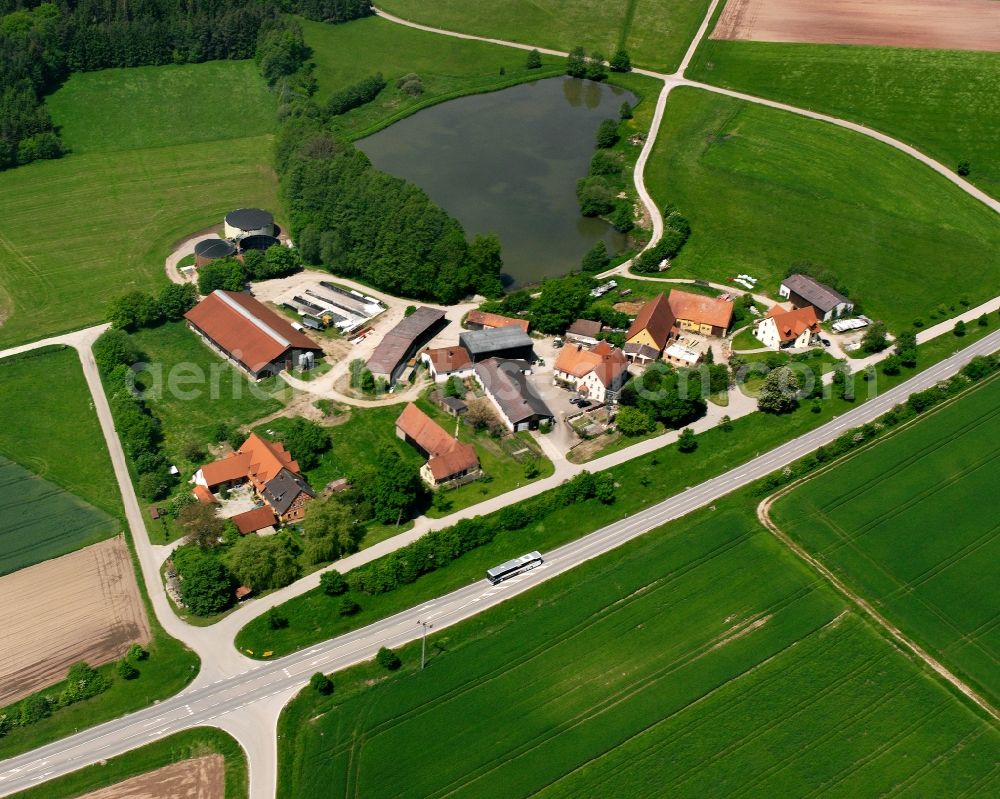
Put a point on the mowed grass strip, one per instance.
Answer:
(943, 102)
(765, 189)
(51, 427)
(700, 657)
(909, 523)
(141, 107)
(655, 33)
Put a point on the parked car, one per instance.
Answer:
(584, 404)
(825, 342)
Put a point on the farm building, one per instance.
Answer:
(802, 290)
(449, 461)
(255, 520)
(445, 362)
(583, 331)
(324, 304)
(484, 320)
(507, 343)
(781, 328)
(209, 250)
(508, 389)
(402, 342)
(650, 331)
(271, 471)
(696, 313)
(597, 374)
(246, 332)
(248, 222)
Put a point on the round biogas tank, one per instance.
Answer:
(249, 222)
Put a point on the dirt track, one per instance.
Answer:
(82, 606)
(197, 778)
(940, 24)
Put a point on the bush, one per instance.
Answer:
(126, 670)
(964, 168)
(321, 684)
(388, 659)
(355, 95)
(136, 654)
(620, 61)
(607, 134)
(891, 365)
(625, 112)
(534, 60)
(596, 259)
(348, 607)
(113, 348)
(333, 583)
(960, 329)
(983, 321)
(275, 620)
(595, 196)
(687, 442)
(606, 162)
(576, 63)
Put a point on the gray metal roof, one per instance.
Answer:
(496, 339)
(395, 345)
(283, 488)
(814, 292)
(505, 382)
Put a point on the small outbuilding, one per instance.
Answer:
(209, 250)
(802, 290)
(248, 222)
(506, 343)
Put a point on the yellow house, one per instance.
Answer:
(650, 331)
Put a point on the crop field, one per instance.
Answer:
(940, 101)
(717, 157)
(938, 24)
(908, 524)
(86, 228)
(196, 778)
(82, 606)
(655, 33)
(39, 520)
(57, 435)
(700, 659)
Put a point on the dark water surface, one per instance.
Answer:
(507, 163)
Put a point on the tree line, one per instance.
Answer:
(41, 44)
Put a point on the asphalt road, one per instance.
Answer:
(224, 699)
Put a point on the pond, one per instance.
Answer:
(507, 163)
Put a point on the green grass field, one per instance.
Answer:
(191, 390)
(448, 68)
(941, 101)
(902, 238)
(57, 490)
(82, 230)
(196, 742)
(655, 33)
(907, 524)
(701, 659)
(143, 107)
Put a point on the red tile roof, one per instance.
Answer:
(791, 324)
(657, 318)
(700, 309)
(257, 459)
(253, 520)
(605, 361)
(447, 455)
(446, 360)
(204, 495)
(487, 319)
(247, 330)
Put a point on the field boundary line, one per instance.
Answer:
(763, 513)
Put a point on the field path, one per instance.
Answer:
(763, 513)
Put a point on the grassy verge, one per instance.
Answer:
(656, 34)
(936, 100)
(196, 742)
(648, 479)
(642, 669)
(716, 157)
(901, 523)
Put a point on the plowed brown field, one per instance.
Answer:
(82, 606)
(938, 24)
(198, 778)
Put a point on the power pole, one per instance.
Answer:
(423, 643)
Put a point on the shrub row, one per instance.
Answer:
(976, 370)
(441, 547)
(676, 230)
(355, 95)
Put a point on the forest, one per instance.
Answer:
(42, 43)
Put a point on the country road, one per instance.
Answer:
(230, 702)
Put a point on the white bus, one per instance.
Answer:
(513, 567)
